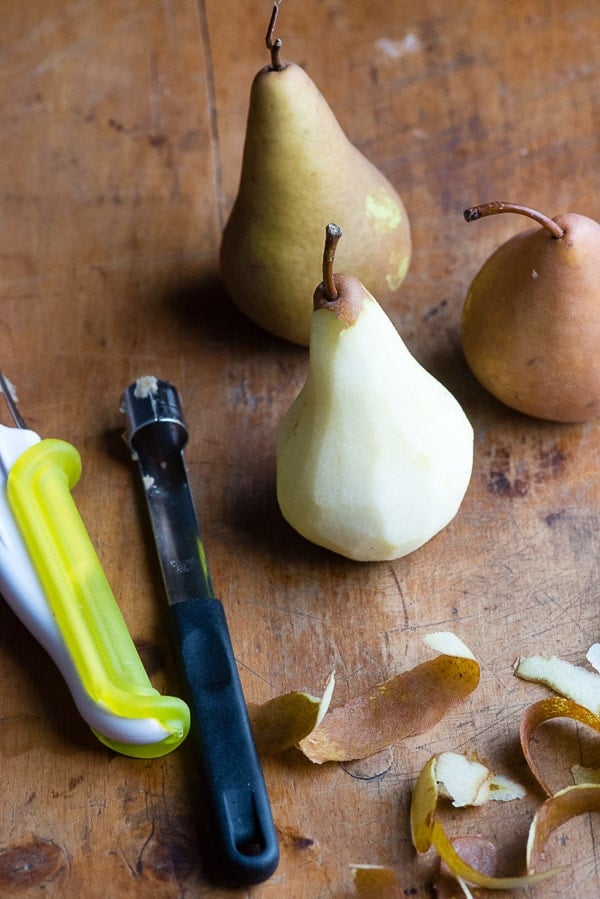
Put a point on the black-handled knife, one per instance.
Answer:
(244, 834)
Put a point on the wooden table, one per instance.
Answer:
(121, 140)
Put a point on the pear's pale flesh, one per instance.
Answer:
(300, 171)
(531, 322)
(374, 456)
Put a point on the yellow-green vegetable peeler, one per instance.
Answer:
(52, 577)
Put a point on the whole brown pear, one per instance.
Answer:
(531, 318)
(299, 170)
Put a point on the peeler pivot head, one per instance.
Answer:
(149, 401)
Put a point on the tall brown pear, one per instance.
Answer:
(531, 318)
(299, 169)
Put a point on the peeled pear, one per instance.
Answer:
(531, 318)
(299, 170)
(374, 456)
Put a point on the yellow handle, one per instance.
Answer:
(87, 614)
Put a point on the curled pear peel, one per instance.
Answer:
(299, 170)
(369, 723)
(531, 318)
(374, 456)
(427, 831)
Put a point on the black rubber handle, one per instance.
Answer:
(233, 778)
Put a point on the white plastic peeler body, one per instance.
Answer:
(21, 587)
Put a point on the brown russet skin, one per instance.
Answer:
(349, 302)
(531, 322)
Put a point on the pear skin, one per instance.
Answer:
(531, 320)
(374, 456)
(299, 170)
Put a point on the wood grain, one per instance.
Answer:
(122, 128)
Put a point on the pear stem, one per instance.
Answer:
(496, 206)
(332, 236)
(274, 45)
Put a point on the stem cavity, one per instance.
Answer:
(496, 206)
(332, 236)
(274, 45)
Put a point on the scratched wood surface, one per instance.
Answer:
(121, 130)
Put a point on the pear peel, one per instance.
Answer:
(299, 170)
(374, 456)
(531, 318)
